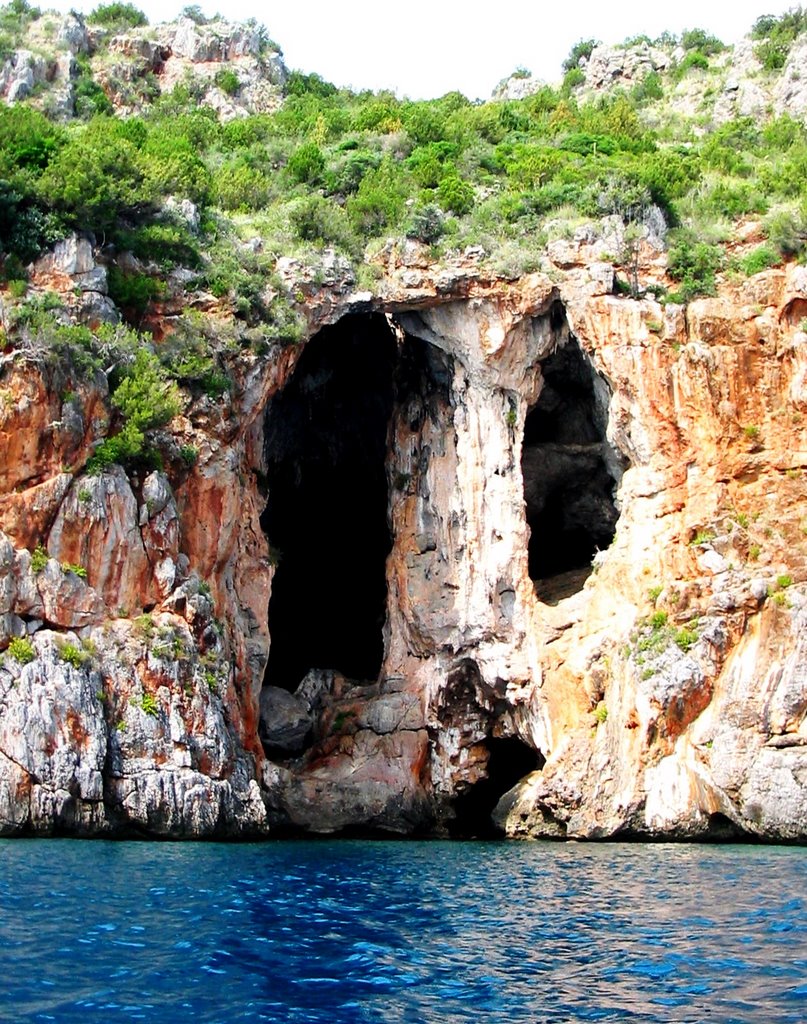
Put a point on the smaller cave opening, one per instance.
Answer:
(721, 829)
(510, 759)
(571, 473)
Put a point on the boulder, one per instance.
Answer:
(285, 722)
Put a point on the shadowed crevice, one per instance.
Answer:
(509, 760)
(326, 515)
(570, 472)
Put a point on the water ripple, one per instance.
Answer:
(400, 933)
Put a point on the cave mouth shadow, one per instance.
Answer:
(571, 473)
(510, 759)
(326, 514)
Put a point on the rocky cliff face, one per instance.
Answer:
(476, 551)
(734, 85)
(134, 67)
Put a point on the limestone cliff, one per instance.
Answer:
(528, 549)
(134, 66)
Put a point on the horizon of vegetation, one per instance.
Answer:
(351, 170)
(342, 168)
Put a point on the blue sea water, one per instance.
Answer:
(363, 931)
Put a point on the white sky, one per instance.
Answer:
(424, 48)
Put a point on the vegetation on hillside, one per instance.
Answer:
(775, 36)
(345, 169)
(348, 170)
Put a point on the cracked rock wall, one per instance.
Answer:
(667, 696)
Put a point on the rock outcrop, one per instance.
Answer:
(135, 66)
(531, 670)
(734, 85)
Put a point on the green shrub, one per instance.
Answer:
(685, 638)
(787, 230)
(237, 186)
(456, 195)
(772, 53)
(317, 219)
(227, 80)
(71, 654)
(694, 59)
(200, 372)
(346, 176)
(90, 98)
(601, 713)
(648, 89)
(39, 558)
(694, 264)
(573, 78)
(776, 36)
(189, 454)
(425, 122)
(431, 163)
(77, 570)
(582, 48)
(306, 163)
(118, 16)
(13, 269)
(700, 40)
(170, 166)
(379, 201)
(21, 649)
(730, 198)
(28, 141)
(144, 626)
(759, 259)
(121, 448)
(241, 276)
(15, 18)
(165, 243)
(146, 399)
(148, 705)
(96, 177)
(300, 84)
(669, 174)
(426, 223)
(133, 293)
(72, 346)
(283, 323)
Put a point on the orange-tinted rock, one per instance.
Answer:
(667, 688)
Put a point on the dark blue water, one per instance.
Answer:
(338, 932)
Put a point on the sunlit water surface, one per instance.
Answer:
(357, 931)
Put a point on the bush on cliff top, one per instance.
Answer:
(776, 36)
(693, 264)
(117, 16)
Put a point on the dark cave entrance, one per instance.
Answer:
(570, 473)
(326, 517)
(510, 759)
